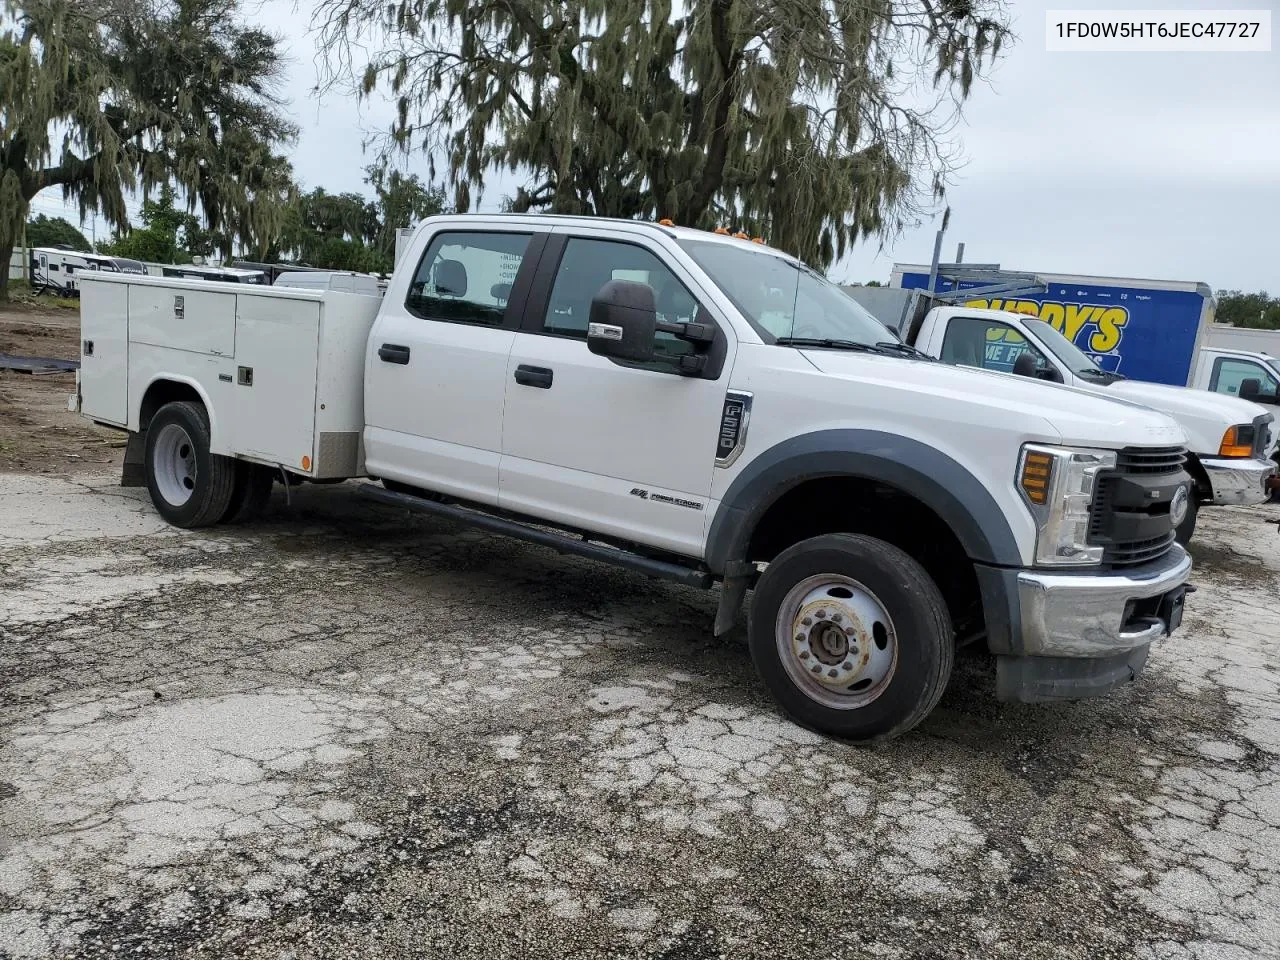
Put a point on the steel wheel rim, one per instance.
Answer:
(836, 641)
(174, 460)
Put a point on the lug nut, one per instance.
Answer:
(821, 614)
(833, 673)
(847, 665)
(804, 654)
(836, 618)
(807, 621)
(817, 668)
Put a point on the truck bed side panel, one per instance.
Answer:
(344, 334)
(104, 360)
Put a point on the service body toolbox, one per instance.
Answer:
(283, 366)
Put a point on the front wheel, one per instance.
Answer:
(852, 637)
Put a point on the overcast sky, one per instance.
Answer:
(1152, 165)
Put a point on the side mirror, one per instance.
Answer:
(1250, 389)
(1024, 365)
(1050, 373)
(623, 321)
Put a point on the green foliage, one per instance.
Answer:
(45, 231)
(808, 122)
(106, 97)
(347, 232)
(167, 234)
(1248, 309)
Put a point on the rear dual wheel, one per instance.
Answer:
(852, 637)
(189, 485)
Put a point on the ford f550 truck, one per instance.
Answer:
(694, 407)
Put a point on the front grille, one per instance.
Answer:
(1147, 460)
(1121, 502)
(1134, 552)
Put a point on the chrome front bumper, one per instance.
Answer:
(1238, 482)
(1098, 614)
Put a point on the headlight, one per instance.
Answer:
(1057, 483)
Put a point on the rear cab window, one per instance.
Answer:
(467, 277)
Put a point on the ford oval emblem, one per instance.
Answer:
(1178, 505)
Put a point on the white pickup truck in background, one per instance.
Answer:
(691, 406)
(1231, 440)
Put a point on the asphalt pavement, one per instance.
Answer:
(346, 731)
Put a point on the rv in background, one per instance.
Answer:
(54, 269)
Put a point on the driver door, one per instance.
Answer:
(620, 449)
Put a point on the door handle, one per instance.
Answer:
(393, 353)
(534, 376)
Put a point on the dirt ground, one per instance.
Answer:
(349, 731)
(37, 433)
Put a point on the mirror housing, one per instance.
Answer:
(623, 321)
(1250, 389)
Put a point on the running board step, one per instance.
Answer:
(561, 543)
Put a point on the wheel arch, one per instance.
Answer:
(936, 480)
(169, 388)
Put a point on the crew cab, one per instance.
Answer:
(1231, 440)
(692, 406)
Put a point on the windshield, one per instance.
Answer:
(1075, 359)
(785, 300)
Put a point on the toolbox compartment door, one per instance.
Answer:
(104, 352)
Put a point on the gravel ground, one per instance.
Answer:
(348, 732)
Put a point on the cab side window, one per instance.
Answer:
(986, 344)
(466, 277)
(1229, 374)
(587, 265)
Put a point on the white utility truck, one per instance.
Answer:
(1231, 440)
(690, 406)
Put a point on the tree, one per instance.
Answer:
(106, 97)
(401, 201)
(345, 231)
(161, 239)
(1248, 309)
(811, 122)
(50, 231)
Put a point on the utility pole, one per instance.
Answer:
(937, 251)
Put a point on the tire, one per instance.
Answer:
(251, 492)
(178, 461)
(902, 658)
(1187, 527)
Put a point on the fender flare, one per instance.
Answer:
(932, 477)
(186, 382)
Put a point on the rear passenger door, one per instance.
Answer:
(621, 449)
(435, 375)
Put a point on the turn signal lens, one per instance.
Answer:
(1037, 471)
(306, 463)
(1237, 441)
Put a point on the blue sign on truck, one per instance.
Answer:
(1146, 330)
